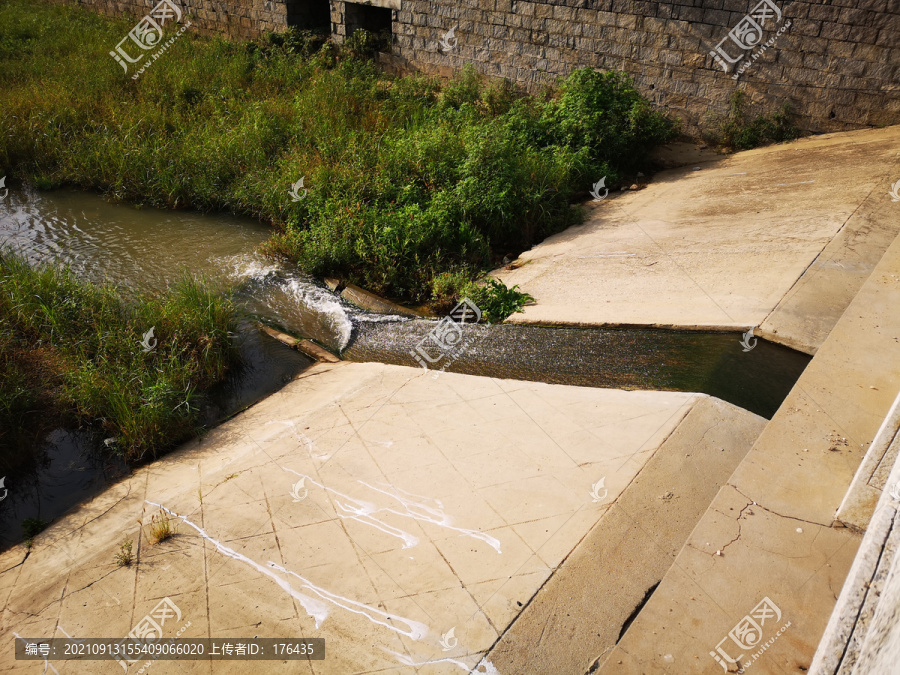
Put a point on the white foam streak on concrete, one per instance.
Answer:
(433, 515)
(416, 507)
(362, 513)
(316, 609)
(303, 440)
(416, 630)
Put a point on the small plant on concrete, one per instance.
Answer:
(125, 557)
(31, 527)
(497, 302)
(739, 130)
(162, 527)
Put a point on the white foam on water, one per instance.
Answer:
(248, 266)
(329, 311)
(325, 305)
(365, 317)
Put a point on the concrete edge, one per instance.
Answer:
(861, 498)
(784, 341)
(710, 328)
(854, 593)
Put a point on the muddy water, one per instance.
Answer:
(149, 248)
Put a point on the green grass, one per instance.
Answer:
(408, 180)
(71, 351)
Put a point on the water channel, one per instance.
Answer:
(148, 248)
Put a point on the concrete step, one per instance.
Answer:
(583, 608)
(782, 563)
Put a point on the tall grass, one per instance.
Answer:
(72, 350)
(408, 180)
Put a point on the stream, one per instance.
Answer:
(149, 248)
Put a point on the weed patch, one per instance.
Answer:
(407, 179)
(84, 341)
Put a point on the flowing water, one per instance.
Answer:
(150, 248)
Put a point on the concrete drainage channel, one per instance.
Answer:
(713, 363)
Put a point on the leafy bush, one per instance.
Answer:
(363, 44)
(497, 302)
(739, 130)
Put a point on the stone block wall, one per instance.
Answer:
(236, 18)
(837, 62)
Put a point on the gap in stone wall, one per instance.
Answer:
(309, 14)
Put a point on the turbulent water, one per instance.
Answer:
(151, 248)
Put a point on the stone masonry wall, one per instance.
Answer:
(837, 61)
(236, 18)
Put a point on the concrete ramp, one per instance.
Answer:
(759, 576)
(405, 517)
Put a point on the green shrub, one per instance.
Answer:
(739, 130)
(497, 302)
(363, 44)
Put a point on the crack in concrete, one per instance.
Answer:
(775, 513)
(740, 528)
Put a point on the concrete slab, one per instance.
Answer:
(768, 533)
(579, 613)
(744, 241)
(404, 518)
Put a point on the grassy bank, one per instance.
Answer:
(70, 352)
(414, 189)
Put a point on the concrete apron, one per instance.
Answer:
(403, 516)
(780, 238)
(765, 553)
